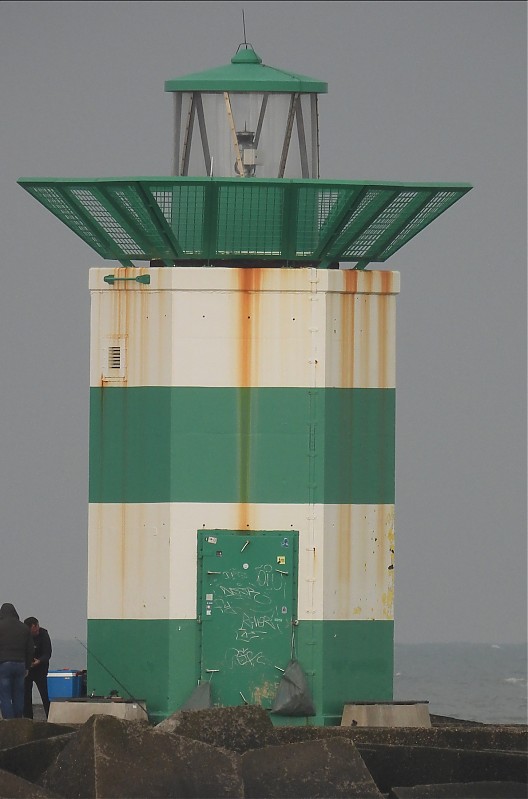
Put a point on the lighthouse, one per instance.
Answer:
(242, 404)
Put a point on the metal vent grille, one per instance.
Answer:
(114, 358)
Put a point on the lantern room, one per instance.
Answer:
(247, 120)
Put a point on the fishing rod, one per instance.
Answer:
(132, 697)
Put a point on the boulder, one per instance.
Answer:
(110, 757)
(319, 768)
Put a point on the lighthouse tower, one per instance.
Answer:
(242, 405)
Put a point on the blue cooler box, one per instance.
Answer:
(64, 684)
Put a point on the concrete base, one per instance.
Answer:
(78, 711)
(386, 714)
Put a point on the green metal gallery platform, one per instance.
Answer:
(183, 220)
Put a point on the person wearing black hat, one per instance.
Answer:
(16, 653)
(38, 671)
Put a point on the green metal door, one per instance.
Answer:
(247, 600)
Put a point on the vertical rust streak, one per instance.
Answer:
(344, 561)
(122, 556)
(365, 342)
(143, 329)
(379, 544)
(351, 280)
(389, 597)
(383, 331)
(346, 378)
(249, 286)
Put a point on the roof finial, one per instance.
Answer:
(244, 26)
(245, 44)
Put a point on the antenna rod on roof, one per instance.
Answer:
(244, 26)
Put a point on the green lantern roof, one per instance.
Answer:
(246, 73)
(229, 220)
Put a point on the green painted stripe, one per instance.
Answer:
(258, 445)
(356, 659)
(345, 661)
(155, 660)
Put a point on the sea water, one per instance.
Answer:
(478, 682)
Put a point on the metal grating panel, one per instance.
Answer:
(367, 240)
(54, 201)
(225, 219)
(104, 218)
(439, 203)
(250, 220)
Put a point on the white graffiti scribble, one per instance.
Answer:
(235, 574)
(246, 592)
(258, 626)
(268, 577)
(243, 634)
(224, 606)
(246, 657)
(260, 622)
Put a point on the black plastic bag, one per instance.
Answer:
(200, 698)
(293, 695)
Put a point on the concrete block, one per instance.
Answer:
(394, 765)
(110, 757)
(234, 728)
(462, 790)
(484, 736)
(31, 759)
(15, 787)
(14, 732)
(330, 768)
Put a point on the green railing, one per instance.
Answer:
(178, 219)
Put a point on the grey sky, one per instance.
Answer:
(418, 91)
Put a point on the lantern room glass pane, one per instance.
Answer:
(276, 135)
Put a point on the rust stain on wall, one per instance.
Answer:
(351, 280)
(382, 341)
(344, 558)
(347, 339)
(384, 349)
(266, 691)
(385, 561)
(249, 285)
(121, 567)
(365, 339)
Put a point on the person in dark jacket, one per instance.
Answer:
(16, 653)
(38, 671)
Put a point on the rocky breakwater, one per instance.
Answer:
(237, 752)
